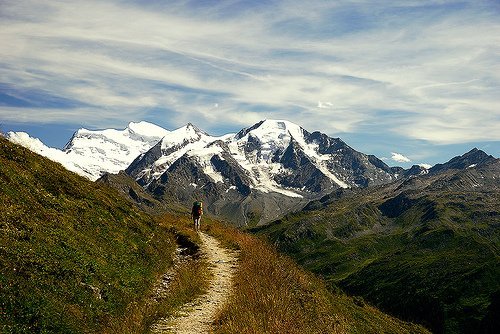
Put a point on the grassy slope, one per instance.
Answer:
(435, 261)
(273, 295)
(74, 256)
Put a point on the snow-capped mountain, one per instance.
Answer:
(93, 153)
(275, 156)
(185, 140)
(274, 163)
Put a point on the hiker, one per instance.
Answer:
(196, 213)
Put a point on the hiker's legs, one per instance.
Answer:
(197, 223)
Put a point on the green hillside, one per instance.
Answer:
(74, 256)
(426, 250)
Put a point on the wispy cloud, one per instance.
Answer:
(399, 157)
(335, 66)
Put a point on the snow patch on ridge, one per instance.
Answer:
(259, 167)
(426, 166)
(204, 156)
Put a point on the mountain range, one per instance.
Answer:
(250, 177)
(92, 153)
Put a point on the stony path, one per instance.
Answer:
(196, 317)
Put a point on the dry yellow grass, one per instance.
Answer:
(273, 295)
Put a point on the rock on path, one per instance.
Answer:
(196, 317)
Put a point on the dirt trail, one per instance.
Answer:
(196, 317)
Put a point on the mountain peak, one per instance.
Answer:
(270, 126)
(191, 127)
(475, 152)
(188, 133)
(146, 129)
(189, 130)
(271, 130)
(473, 157)
(277, 124)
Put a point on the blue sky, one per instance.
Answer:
(417, 78)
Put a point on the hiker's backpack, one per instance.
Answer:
(197, 208)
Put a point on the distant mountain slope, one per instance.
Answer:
(468, 160)
(74, 256)
(92, 153)
(424, 248)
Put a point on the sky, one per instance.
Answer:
(413, 82)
